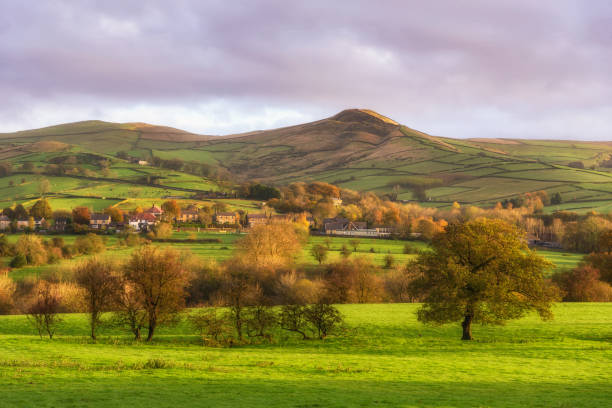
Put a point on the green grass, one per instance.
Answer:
(385, 359)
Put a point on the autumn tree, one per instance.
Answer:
(481, 271)
(99, 281)
(44, 310)
(159, 278)
(41, 209)
(171, 209)
(270, 245)
(81, 215)
(583, 284)
(31, 247)
(115, 213)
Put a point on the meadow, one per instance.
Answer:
(383, 357)
(374, 249)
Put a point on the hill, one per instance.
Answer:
(361, 150)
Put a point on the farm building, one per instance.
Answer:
(256, 219)
(230, 218)
(342, 226)
(99, 220)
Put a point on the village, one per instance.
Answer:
(111, 221)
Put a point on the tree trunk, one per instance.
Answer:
(467, 327)
(150, 333)
(137, 333)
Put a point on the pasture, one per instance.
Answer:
(374, 249)
(383, 358)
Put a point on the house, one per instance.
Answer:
(230, 218)
(342, 226)
(142, 221)
(5, 222)
(60, 224)
(40, 223)
(336, 201)
(256, 219)
(143, 162)
(23, 223)
(155, 211)
(99, 220)
(188, 215)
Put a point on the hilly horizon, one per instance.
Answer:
(358, 149)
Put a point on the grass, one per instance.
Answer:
(374, 249)
(385, 359)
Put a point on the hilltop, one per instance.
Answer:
(357, 149)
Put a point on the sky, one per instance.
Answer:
(461, 68)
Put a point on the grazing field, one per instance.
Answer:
(384, 358)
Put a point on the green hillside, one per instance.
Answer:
(355, 149)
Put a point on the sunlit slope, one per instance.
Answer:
(358, 149)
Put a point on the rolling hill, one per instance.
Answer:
(357, 149)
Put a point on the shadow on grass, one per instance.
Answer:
(212, 390)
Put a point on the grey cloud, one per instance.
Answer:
(460, 68)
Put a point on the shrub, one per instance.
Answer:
(7, 291)
(213, 328)
(389, 261)
(18, 261)
(89, 244)
(582, 284)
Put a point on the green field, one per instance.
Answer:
(384, 358)
(374, 249)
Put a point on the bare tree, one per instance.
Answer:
(159, 278)
(99, 280)
(44, 309)
(129, 312)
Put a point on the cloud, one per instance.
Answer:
(472, 68)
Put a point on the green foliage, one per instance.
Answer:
(481, 271)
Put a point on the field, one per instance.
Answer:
(384, 358)
(374, 249)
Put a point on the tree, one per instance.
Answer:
(41, 209)
(99, 281)
(556, 199)
(354, 243)
(115, 213)
(44, 187)
(44, 309)
(481, 271)
(20, 212)
(31, 247)
(583, 284)
(80, 215)
(171, 209)
(89, 244)
(159, 278)
(162, 230)
(319, 252)
(323, 317)
(271, 245)
(344, 251)
(7, 290)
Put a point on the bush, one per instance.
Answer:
(389, 261)
(213, 328)
(582, 284)
(89, 244)
(7, 290)
(18, 261)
